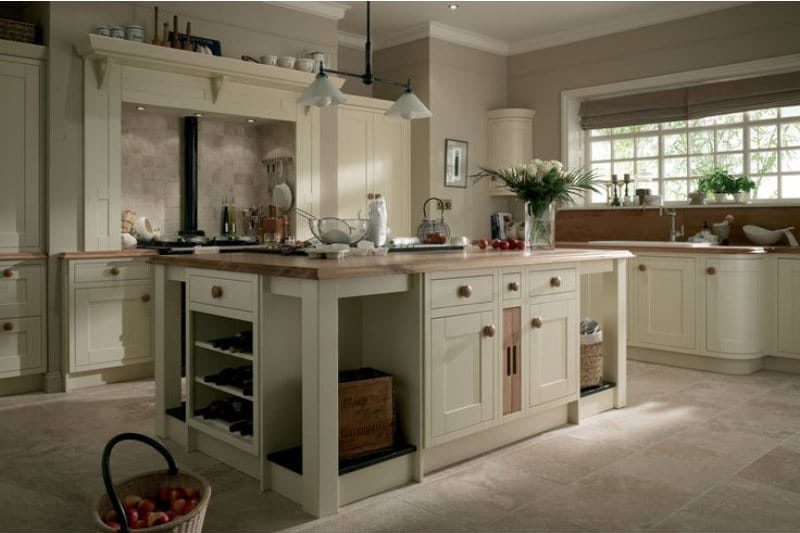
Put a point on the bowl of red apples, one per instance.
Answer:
(163, 500)
(502, 245)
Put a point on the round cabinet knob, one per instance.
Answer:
(489, 330)
(465, 291)
(8, 326)
(216, 291)
(642, 268)
(555, 281)
(711, 271)
(513, 286)
(537, 322)
(114, 271)
(145, 298)
(7, 273)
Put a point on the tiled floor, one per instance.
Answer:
(693, 451)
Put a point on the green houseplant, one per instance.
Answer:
(718, 182)
(542, 185)
(744, 188)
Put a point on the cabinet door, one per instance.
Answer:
(19, 153)
(552, 351)
(391, 170)
(354, 167)
(734, 305)
(112, 326)
(462, 375)
(665, 301)
(511, 363)
(788, 306)
(20, 346)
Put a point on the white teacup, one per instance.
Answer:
(269, 60)
(286, 61)
(306, 65)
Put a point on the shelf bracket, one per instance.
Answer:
(217, 83)
(102, 70)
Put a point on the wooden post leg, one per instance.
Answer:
(320, 353)
(166, 346)
(615, 333)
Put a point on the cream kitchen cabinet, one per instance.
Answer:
(462, 372)
(665, 305)
(552, 350)
(21, 152)
(735, 292)
(23, 344)
(788, 306)
(510, 141)
(365, 152)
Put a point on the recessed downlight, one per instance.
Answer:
(140, 108)
(452, 7)
(251, 120)
(198, 115)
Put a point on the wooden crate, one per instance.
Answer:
(366, 412)
(16, 30)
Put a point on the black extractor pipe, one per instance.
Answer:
(189, 226)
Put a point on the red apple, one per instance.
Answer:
(504, 245)
(190, 505)
(178, 506)
(171, 515)
(163, 494)
(112, 524)
(111, 516)
(132, 500)
(139, 524)
(176, 494)
(146, 506)
(483, 244)
(496, 244)
(157, 518)
(132, 514)
(520, 244)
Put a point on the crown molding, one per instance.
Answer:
(470, 39)
(351, 40)
(328, 10)
(420, 31)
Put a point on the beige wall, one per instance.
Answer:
(753, 31)
(352, 60)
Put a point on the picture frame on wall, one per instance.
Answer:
(456, 163)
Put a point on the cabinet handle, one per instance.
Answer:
(555, 281)
(8, 326)
(216, 291)
(508, 360)
(514, 359)
(489, 330)
(145, 298)
(711, 271)
(537, 322)
(642, 268)
(465, 291)
(7, 273)
(513, 286)
(114, 271)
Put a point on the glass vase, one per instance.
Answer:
(540, 227)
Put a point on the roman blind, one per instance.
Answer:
(692, 102)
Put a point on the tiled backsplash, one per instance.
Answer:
(229, 165)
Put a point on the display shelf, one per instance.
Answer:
(178, 412)
(292, 458)
(219, 429)
(210, 347)
(588, 391)
(233, 391)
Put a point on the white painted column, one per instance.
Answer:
(166, 345)
(615, 331)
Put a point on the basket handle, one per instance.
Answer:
(439, 203)
(111, 492)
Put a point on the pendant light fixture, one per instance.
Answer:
(322, 92)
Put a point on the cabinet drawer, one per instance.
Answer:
(20, 346)
(461, 291)
(552, 281)
(111, 271)
(21, 290)
(234, 294)
(511, 289)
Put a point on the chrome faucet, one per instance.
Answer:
(673, 233)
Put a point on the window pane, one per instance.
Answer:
(646, 168)
(647, 147)
(793, 111)
(600, 197)
(790, 134)
(622, 130)
(700, 165)
(729, 140)
(675, 144)
(674, 125)
(763, 114)
(732, 118)
(701, 142)
(675, 190)
(763, 162)
(790, 160)
(646, 127)
(766, 187)
(763, 137)
(790, 186)
(602, 170)
(647, 184)
(692, 185)
(623, 167)
(601, 150)
(733, 163)
(623, 148)
(705, 121)
(675, 167)
(601, 132)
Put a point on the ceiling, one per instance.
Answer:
(512, 27)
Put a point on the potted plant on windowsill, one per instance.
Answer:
(745, 187)
(719, 183)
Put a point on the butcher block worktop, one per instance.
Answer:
(396, 263)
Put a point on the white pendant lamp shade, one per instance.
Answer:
(322, 93)
(409, 106)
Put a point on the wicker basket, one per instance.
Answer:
(150, 483)
(433, 230)
(15, 30)
(591, 360)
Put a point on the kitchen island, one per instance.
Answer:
(482, 347)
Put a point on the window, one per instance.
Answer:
(668, 158)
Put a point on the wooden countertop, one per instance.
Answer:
(397, 263)
(731, 250)
(109, 254)
(22, 256)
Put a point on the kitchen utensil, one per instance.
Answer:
(306, 65)
(187, 44)
(433, 230)
(128, 241)
(156, 40)
(117, 32)
(282, 196)
(764, 237)
(333, 230)
(286, 61)
(174, 42)
(144, 228)
(105, 31)
(134, 33)
(165, 40)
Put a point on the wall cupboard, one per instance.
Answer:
(510, 141)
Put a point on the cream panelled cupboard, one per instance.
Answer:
(510, 141)
(365, 152)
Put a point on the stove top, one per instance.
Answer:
(178, 245)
